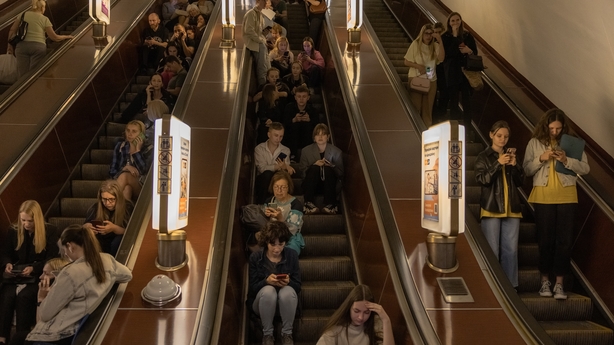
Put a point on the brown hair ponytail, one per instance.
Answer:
(84, 238)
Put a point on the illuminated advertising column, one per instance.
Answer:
(228, 24)
(100, 10)
(443, 192)
(354, 21)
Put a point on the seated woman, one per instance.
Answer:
(312, 60)
(154, 91)
(352, 324)
(192, 18)
(322, 166)
(296, 78)
(281, 57)
(78, 289)
(130, 164)
(108, 217)
(286, 208)
(274, 33)
(29, 244)
(274, 281)
(205, 7)
(268, 111)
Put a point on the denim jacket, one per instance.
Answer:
(540, 170)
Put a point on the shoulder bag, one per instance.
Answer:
(253, 217)
(474, 78)
(21, 32)
(421, 83)
(318, 9)
(474, 63)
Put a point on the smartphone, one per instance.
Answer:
(302, 112)
(281, 276)
(51, 280)
(286, 53)
(14, 271)
(511, 151)
(272, 205)
(96, 223)
(282, 156)
(142, 136)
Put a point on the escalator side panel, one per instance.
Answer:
(60, 11)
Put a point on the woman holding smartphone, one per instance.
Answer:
(286, 208)
(274, 281)
(129, 165)
(554, 197)
(29, 244)
(281, 56)
(497, 171)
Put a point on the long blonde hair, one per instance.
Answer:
(418, 40)
(102, 213)
(33, 209)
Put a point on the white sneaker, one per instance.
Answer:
(545, 289)
(559, 293)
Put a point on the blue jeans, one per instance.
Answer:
(266, 303)
(502, 235)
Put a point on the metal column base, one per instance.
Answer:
(171, 251)
(441, 253)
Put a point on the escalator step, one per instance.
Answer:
(115, 129)
(578, 333)
(95, 171)
(108, 142)
(473, 149)
(129, 96)
(323, 224)
(324, 294)
(529, 279)
(528, 254)
(101, 156)
(309, 327)
(528, 232)
(473, 194)
(142, 80)
(322, 268)
(75, 207)
(85, 188)
(576, 307)
(325, 245)
(63, 222)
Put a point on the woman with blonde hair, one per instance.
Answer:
(33, 48)
(108, 217)
(281, 56)
(30, 243)
(423, 56)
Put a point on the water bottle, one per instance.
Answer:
(429, 73)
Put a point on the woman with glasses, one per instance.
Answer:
(422, 57)
(107, 218)
(274, 281)
(286, 208)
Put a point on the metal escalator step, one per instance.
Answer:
(142, 80)
(473, 194)
(123, 106)
(63, 222)
(309, 328)
(108, 142)
(575, 308)
(394, 50)
(475, 209)
(101, 156)
(95, 171)
(578, 333)
(528, 232)
(324, 294)
(137, 87)
(323, 224)
(528, 254)
(323, 268)
(85, 188)
(75, 207)
(470, 178)
(529, 279)
(115, 129)
(325, 245)
(129, 96)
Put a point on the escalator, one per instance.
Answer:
(580, 319)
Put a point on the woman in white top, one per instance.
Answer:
(352, 323)
(33, 48)
(423, 56)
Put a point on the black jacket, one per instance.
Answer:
(488, 174)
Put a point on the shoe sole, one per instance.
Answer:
(560, 297)
(545, 294)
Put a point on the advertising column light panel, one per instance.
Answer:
(171, 175)
(228, 12)
(100, 10)
(443, 179)
(354, 13)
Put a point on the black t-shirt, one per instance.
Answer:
(161, 35)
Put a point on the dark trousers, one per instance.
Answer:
(313, 180)
(554, 232)
(452, 97)
(261, 186)
(300, 135)
(152, 56)
(23, 304)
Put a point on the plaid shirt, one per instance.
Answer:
(122, 157)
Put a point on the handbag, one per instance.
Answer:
(253, 217)
(420, 84)
(474, 78)
(474, 63)
(318, 9)
(21, 32)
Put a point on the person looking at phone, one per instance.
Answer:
(282, 92)
(312, 60)
(274, 281)
(286, 208)
(108, 217)
(270, 156)
(354, 322)
(173, 64)
(300, 118)
(321, 167)
(129, 165)
(275, 32)
(554, 197)
(296, 77)
(154, 91)
(30, 242)
(499, 175)
(281, 56)
(78, 289)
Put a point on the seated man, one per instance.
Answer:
(173, 64)
(185, 45)
(300, 119)
(155, 39)
(281, 12)
(270, 156)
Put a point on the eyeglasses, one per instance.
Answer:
(108, 200)
(428, 32)
(280, 187)
(282, 244)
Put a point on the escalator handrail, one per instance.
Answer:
(11, 16)
(417, 320)
(59, 112)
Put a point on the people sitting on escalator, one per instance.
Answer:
(173, 12)
(300, 118)
(281, 56)
(272, 34)
(33, 48)
(270, 156)
(354, 322)
(280, 7)
(131, 160)
(185, 46)
(321, 166)
(269, 111)
(108, 217)
(155, 39)
(312, 60)
(28, 245)
(191, 31)
(286, 208)
(78, 289)
(274, 281)
(173, 64)
(192, 18)
(296, 77)
(272, 77)
(154, 91)
(199, 29)
(500, 175)
(167, 74)
(205, 7)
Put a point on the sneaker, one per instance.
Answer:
(268, 340)
(545, 290)
(286, 339)
(558, 292)
(310, 208)
(330, 209)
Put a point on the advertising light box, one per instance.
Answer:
(100, 10)
(171, 174)
(443, 179)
